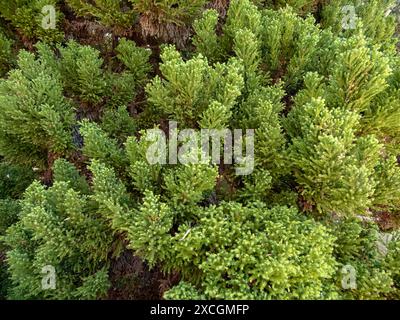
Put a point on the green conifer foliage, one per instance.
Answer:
(59, 227)
(9, 209)
(85, 79)
(357, 75)
(280, 42)
(38, 98)
(5, 54)
(111, 195)
(205, 38)
(27, 17)
(35, 117)
(391, 263)
(118, 124)
(359, 244)
(13, 182)
(371, 16)
(98, 145)
(111, 13)
(14, 179)
(333, 167)
(289, 44)
(249, 260)
(262, 111)
(190, 88)
(188, 185)
(317, 218)
(135, 59)
(300, 6)
(145, 176)
(82, 73)
(241, 16)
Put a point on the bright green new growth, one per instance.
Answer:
(35, 117)
(60, 227)
(191, 89)
(38, 99)
(84, 77)
(332, 167)
(237, 253)
(324, 196)
(370, 16)
(360, 245)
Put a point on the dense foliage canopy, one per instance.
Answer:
(84, 87)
